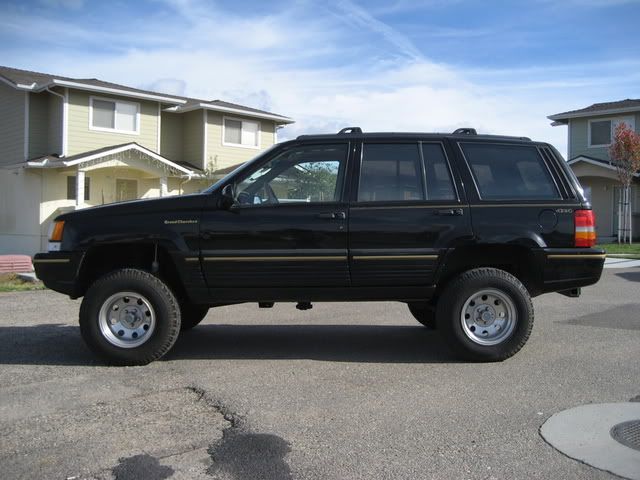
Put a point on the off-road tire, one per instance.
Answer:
(191, 315)
(463, 287)
(424, 312)
(163, 301)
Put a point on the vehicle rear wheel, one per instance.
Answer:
(129, 317)
(424, 312)
(485, 314)
(191, 315)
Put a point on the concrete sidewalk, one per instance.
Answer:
(621, 262)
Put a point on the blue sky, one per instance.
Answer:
(429, 65)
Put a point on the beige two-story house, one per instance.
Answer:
(590, 131)
(69, 143)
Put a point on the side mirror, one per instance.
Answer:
(227, 199)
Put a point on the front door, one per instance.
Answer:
(288, 226)
(405, 213)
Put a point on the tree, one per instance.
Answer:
(625, 152)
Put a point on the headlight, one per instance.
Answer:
(55, 235)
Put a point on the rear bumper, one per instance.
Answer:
(569, 268)
(59, 270)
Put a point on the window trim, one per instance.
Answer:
(520, 201)
(406, 203)
(241, 120)
(92, 98)
(611, 121)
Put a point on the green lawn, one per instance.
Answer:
(633, 249)
(10, 282)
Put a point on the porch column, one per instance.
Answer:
(79, 188)
(164, 190)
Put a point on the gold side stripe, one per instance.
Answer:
(395, 257)
(540, 205)
(191, 259)
(52, 260)
(273, 259)
(380, 207)
(578, 256)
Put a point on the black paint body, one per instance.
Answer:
(338, 251)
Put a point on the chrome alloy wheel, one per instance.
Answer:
(127, 319)
(488, 317)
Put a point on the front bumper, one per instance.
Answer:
(569, 268)
(59, 270)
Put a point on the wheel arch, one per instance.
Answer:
(518, 260)
(102, 259)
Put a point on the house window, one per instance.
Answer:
(126, 190)
(114, 116)
(71, 188)
(240, 133)
(601, 131)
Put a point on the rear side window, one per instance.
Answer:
(439, 183)
(506, 172)
(390, 172)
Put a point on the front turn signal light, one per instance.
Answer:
(56, 231)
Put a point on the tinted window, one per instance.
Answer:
(300, 175)
(390, 172)
(439, 184)
(504, 172)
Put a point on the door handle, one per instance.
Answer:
(451, 212)
(333, 215)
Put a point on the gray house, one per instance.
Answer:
(590, 132)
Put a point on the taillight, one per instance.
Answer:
(585, 222)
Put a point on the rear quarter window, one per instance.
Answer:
(509, 172)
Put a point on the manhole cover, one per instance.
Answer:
(627, 433)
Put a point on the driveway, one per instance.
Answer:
(342, 391)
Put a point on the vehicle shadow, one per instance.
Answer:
(60, 344)
(633, 276)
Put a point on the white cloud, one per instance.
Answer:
(304, 63)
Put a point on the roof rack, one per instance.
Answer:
(465, 131)
(350, 130)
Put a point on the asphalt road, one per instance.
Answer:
(342, 391)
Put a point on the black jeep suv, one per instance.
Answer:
(463, 228)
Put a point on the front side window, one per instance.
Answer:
(310, 174)
(390, 172)
(241, 133)
(117, 116)
(508, 172)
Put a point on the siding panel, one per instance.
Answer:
(171, 136)
(82, 139)
(193, 129)
(54, 135)
(11, 125)
(38, 124)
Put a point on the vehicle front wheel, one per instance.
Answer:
(424, 312)
(129, 317)
(485, 314)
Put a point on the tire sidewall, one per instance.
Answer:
(167, 316)
(450, 309)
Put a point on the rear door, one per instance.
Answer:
(406, 209)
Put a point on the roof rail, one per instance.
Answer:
(465, 131)
(350, 130)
